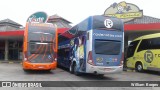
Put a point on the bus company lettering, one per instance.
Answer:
(33, 18)
(106, 35)
(42, 25)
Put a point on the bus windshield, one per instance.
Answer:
(40, 36)
(40, 48)
(107, 47)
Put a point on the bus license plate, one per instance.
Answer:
(40, 67)
(108, 69)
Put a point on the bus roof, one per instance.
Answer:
(94, 22)
(148, 36)
(92, 17)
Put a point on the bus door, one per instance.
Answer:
(107, 48)
(130, 53)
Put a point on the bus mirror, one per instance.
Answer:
(88, 36)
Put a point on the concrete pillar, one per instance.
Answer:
(125, 50)
(125, 41)
(6, 50)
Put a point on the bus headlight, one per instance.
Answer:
(25, 59)
(89, 61)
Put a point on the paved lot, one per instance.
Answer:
(14, 72)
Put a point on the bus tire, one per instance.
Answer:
(71, 69)
(139, 67)
(101, 75)
(74, 69)
(49, 70)
(25, 70)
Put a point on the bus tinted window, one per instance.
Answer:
(144, 45)
(62, 38)
(63, 53)
(132, 48)
(107, 47)
(152, 43)
(73, 30)
(38, 36)
(155, 43)
(40, 48)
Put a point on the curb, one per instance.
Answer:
(128, 70)
(10, 62)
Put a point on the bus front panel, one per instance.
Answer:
(41, 47)
(106, 51)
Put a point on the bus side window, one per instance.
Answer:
(63, 53)
(154, 43)
(144, 45)
(60, 53)
(132, 48)
(88, 36)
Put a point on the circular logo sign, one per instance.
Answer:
(49, 57)
(148, 56)
(99, 59)
(40, 17)
(108, 23)
(123, 10)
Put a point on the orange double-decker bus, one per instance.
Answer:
(40, 46)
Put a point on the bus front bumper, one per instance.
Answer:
(39, 66)
(104, 70)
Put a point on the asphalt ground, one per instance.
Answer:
(14, 72)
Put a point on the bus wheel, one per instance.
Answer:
(49, 70)
(139, 67)
(101, 75)
(74, 69)
(71, 68)
(25, 70)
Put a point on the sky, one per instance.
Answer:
(72, 10)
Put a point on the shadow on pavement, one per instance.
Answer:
(151, 72)
(144, 72)
(88, 76)
(95, 77)
(38, 72)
